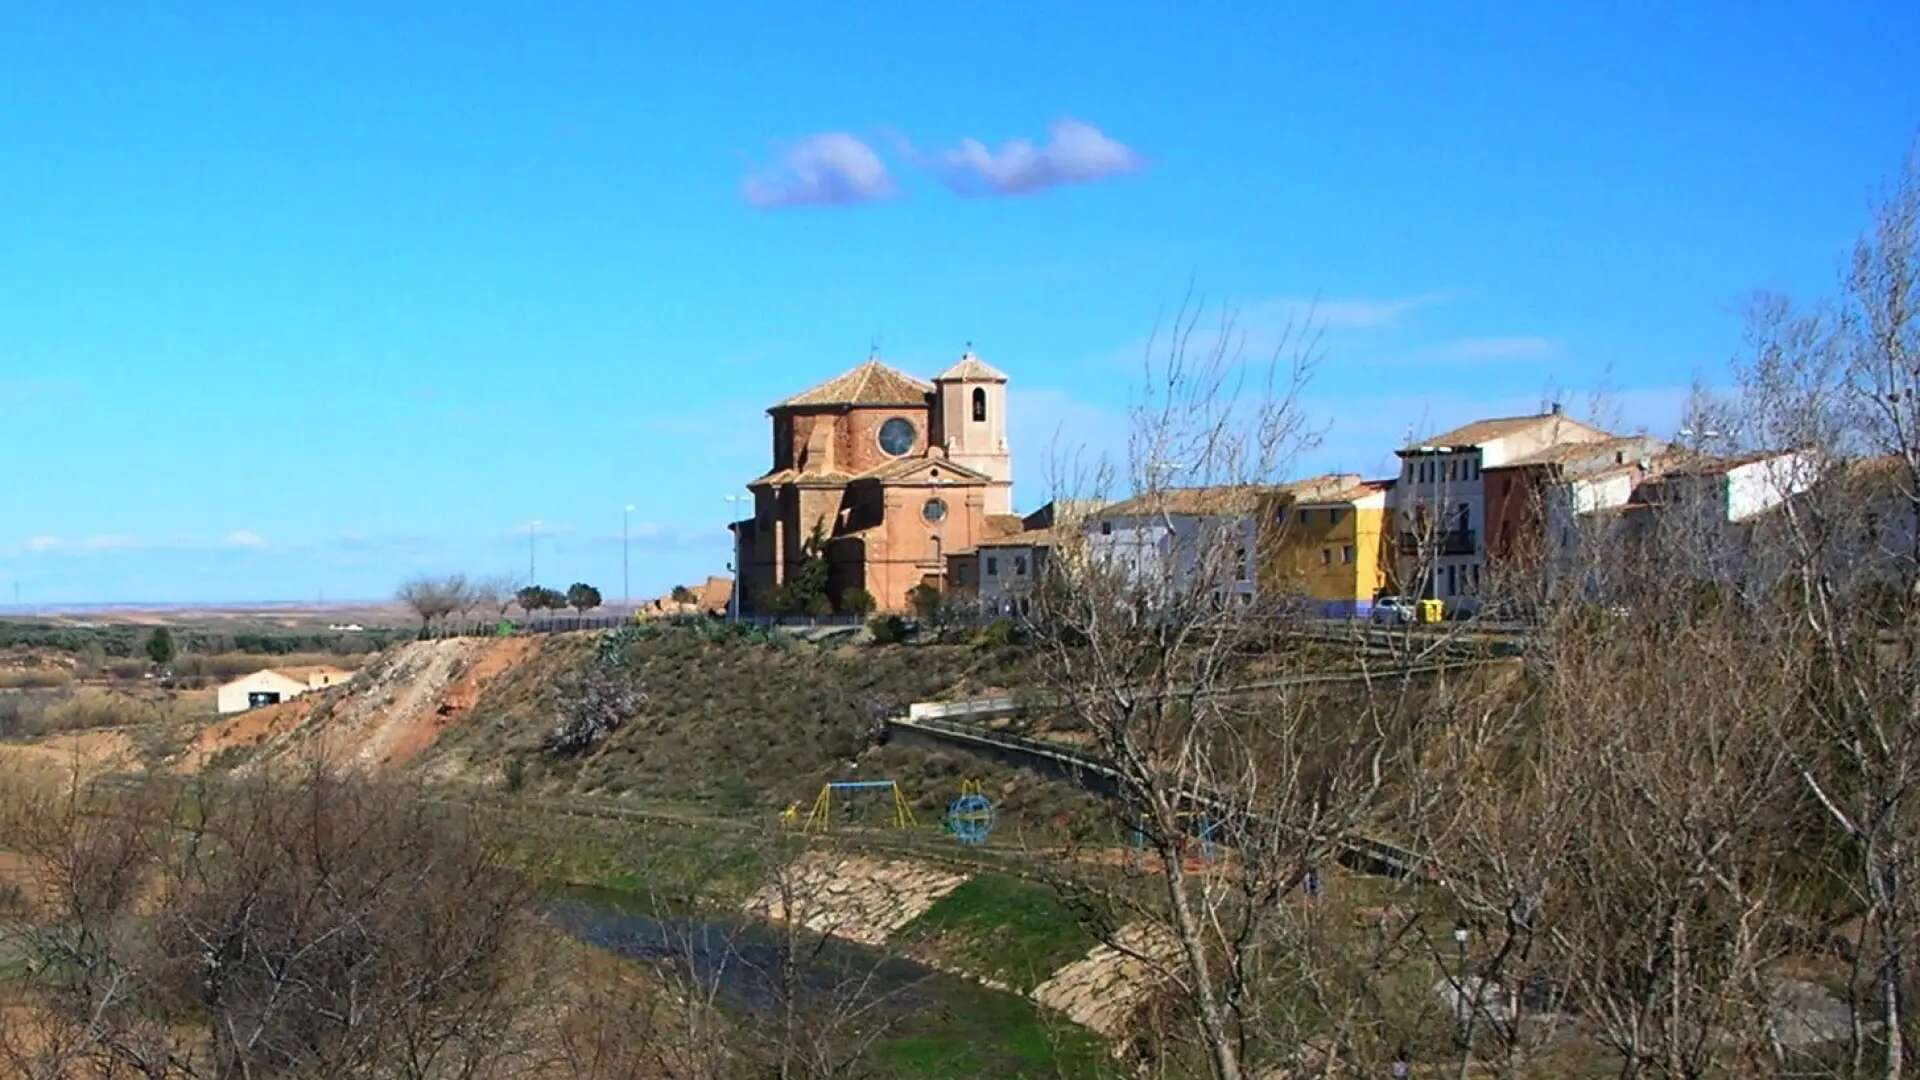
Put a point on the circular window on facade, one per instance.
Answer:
(896, 436)
(935, 511)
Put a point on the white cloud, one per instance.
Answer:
(108, 542)
(832, 168)
(1494, 349)
(43, 543)
(245, 538)
(1075, 152)
(1340, 313)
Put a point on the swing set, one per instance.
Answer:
(820, 818)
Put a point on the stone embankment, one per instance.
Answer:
(856, 897)
(868, 900)
(1103, 990)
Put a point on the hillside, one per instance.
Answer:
(718, 722)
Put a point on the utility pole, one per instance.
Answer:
(626, 583)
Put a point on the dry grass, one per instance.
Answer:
(38, 678)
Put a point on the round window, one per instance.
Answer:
(935, 510)
(896, 436)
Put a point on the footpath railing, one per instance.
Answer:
(1363, 853)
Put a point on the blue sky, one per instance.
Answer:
(297, 304)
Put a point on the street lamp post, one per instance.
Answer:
(533, 576)
(626, 581)
(736, 566)
(1461, 1006)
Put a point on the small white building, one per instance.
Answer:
(271, 686)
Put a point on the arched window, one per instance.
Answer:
(979, 405)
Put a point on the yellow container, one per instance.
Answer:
(1432, 610)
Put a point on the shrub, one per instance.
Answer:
(887, 629)
(927, 602)
(591, 708)
(857, 601)
(998, 634)
(515, 775)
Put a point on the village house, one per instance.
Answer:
(1558, 482)
(1166, 541)
(881, 475)
(270, 686)
(999, 576)
(1327, 543)
(1439, 503)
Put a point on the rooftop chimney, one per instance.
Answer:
(1556, 409)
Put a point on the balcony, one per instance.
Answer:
(1451, 542)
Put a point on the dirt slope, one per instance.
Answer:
(388, 715)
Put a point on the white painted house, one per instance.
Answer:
(1164, 542)
(270, 686)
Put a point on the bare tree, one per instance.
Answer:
(1163, 663)
(318, 924)
(435, 597)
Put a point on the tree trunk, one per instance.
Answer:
(1220, 1044)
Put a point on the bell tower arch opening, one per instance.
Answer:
(970, 412)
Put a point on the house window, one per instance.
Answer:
(1333, 516)
(979, 405)
(1019, 566)
(1106, 528)
(1326, 556)
(1346, 554)
(993, 566)
(1466, 521)
(1240, 563)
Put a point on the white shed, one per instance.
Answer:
(270, 686)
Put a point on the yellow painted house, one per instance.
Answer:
(1324, 542)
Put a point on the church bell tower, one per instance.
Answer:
(970, 421)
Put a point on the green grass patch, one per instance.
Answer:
(992, 1034)
(1003, 928)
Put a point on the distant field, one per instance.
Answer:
(212, 616)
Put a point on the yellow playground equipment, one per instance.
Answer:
(820, 818)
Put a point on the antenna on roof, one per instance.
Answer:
(873, 346)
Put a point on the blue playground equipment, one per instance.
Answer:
(970, 817)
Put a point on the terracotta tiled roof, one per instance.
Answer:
(794, 476)
(1329, 487)
(1005, 524)
(1349, 494)
(872, 383)
(898, 467)
(1024, 538)
(1598, 455)
(1693, 463)
(1234, 499)
(1485, 431)
(971, 368)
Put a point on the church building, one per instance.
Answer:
(888, 474)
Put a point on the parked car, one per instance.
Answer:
(1393, 611)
